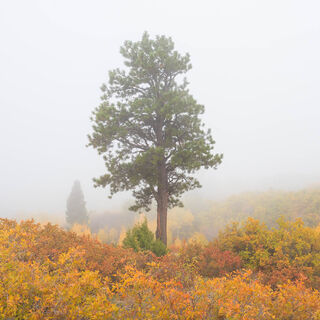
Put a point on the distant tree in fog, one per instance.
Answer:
(76, 206)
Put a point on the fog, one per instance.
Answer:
(255, 68)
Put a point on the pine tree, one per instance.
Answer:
(149, 131)
(76, 206)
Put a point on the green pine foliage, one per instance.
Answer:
(141, 238)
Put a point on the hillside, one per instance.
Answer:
(266, 206)
(190, 222)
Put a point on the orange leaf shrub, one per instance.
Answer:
(81, 279)
(214, 262)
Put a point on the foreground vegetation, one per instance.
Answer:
(247, 272)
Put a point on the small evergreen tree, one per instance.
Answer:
(140, 238)
(76, 206)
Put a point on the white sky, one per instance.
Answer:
(255, 68)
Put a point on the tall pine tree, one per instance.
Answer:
(76, 206)
(148, 128)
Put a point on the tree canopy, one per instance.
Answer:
(148, 128)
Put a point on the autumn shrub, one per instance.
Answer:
(32, 242)
(214, 262)
(236, 297)
(189, 252)
(290, 252)
(293, 300)
(61, 290)
(180, 263)
(81, 279)
(139, 295)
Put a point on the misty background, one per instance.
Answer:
(255, 69)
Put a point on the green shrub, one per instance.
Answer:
(141, 238)
(158, 248)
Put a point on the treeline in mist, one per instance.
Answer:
(204, 224)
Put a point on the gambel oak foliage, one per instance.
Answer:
(148, 129)
(48, 273)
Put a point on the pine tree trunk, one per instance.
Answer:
(162, 204)
(162, 208)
